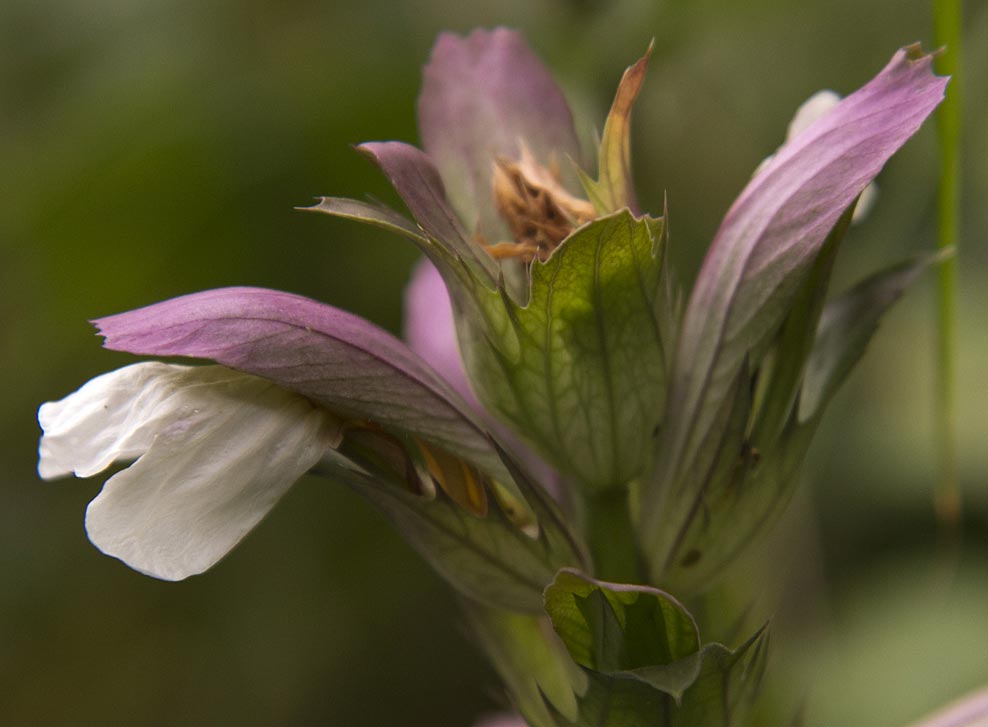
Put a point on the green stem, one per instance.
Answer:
(612, 536)
(947, 497)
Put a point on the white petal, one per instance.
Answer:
(221, 449)
(114, 416)
(865, 202)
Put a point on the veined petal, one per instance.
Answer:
(336, 359)
(481, 96)
(216, 450)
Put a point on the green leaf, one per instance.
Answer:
(580, 370)
(721, 694)
(846, 326)
(641, 652)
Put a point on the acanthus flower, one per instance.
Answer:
(676, 429)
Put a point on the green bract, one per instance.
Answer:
(579, 369)
(641, 652)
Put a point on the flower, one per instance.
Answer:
(299, 384)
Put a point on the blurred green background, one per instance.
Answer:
(152, 148)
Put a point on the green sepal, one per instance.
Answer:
(737, 507)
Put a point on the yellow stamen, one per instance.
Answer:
(457, 479)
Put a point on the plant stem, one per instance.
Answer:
(947, 496)
(612, 536)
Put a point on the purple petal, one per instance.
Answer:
(481, 95)
(418, 184)
(775, 228)
(429, 328)
(332, 357)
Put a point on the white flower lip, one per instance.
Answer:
(215, 449)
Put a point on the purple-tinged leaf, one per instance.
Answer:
(780, 371)
(332, 357)
(373, 214)
(481, 96)
(767, 244)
